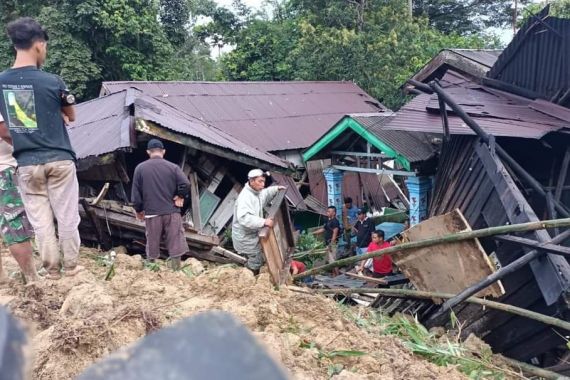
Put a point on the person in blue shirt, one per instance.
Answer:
(349, 217)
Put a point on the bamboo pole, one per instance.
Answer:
(535, 371)
(450, 238)
(409, 293)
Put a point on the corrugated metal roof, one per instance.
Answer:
(101, 126)
(498, 113)
(415, 146)
(270, 116)
(486, 57)
(293, 195)
(536, 58)
(157, 111)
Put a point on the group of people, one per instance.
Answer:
(368, 239)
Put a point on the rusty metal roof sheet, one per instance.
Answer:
(485, 57)
(293, 195)
(415, 146)
(101, 126)
(536, 58)
(497, 112)
(270, 116)
(160, 112)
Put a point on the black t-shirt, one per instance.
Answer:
(30, 103)
(330, 225)
(364, 232)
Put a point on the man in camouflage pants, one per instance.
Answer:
(15, 228)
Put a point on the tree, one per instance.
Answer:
(378, 49)
(466, 16)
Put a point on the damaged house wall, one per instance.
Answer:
(110, 136)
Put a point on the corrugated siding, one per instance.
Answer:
(270, 116)
(537, 58)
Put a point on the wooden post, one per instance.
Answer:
(491, 231)
(104, 238)
(545, 247)
(195, 200)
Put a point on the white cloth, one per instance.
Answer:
(248, 218)
(6, 158)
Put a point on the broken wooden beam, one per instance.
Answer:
(102, 234)
(101, 195)
(410, 293)
(229, 255)
(372, 280)
(451, 238)
(130, 222)
(546, 247)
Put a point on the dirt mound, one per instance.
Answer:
(75, 321)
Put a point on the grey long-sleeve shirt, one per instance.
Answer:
(155, 183)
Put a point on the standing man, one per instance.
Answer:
(249, 220)
(36, 107)
(158, 192)
(15, 228)
(363, 229)
(349, 218)
(331, 230)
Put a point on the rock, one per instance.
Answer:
(85, 300)
(196, 267)
(122, 260)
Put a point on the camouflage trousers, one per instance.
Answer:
(14, 224)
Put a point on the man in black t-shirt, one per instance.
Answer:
(363, 228)
(331, 231)
(36, 107)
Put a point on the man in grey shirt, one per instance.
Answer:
(158, 192)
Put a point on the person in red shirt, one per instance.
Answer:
(297, 267)
(381, 266)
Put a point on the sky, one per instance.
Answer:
(250, 3)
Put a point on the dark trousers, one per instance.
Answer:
(170, 226)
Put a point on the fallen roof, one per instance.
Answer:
(101, 126)
(473, 62)
(270, 116)
(536, 58)
(404, 147)
(498, 113)
(104, 125)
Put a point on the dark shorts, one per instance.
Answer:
(14, 224)
(171, 228)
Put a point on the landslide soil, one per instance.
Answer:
(73, 322)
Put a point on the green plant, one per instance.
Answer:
(152, 266)
(441, 352)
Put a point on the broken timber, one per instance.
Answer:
(451, 238)
(278, 242)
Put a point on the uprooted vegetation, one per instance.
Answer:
(75, 321)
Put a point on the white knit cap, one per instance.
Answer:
(255, 173)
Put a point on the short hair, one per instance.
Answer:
(347, 200)
(332, 208)
(380, 233)
(24, 31)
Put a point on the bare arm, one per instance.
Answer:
(68, 111)
(5, 133)
(335, 235)
(319, 231)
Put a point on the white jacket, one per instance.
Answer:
(248, 218)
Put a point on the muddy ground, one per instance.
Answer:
(75, 321)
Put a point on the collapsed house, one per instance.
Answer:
(505, 160)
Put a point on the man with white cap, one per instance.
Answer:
(249, 220)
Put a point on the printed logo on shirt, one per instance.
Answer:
(20, 107)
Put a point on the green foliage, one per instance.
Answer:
(312, 249)
(96, 40)
(374, 43)
(442, 352)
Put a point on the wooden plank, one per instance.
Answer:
(446, 268)
(278, 243)
(104, 238)
(216, 180)
(562, 175)
(230, 255)
(553, 248)
(553, 272)
(224, 213)
(195, 200)
(130, 222)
